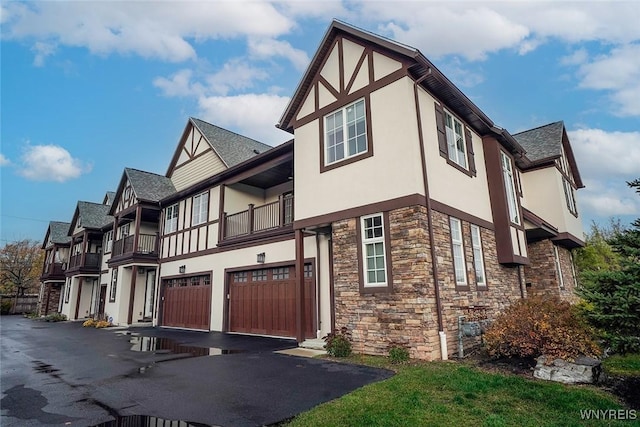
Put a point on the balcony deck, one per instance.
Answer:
(259, 219)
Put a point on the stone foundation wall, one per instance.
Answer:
(407, 315)
(542, 272)
(53, 292)
(503, 283)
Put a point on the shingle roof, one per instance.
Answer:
(58, 232)
(231, 147)
(149, 186)
(108, 198)
(94, 215)
(544, 142)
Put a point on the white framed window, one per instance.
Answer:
(108, 241)
(345, 132)
(569, 196)
(458, 252)
(171, 219)
(558, 267)
(455, 140)
(124, 230)
(373, 251)
(507, 174)
(478, 257)
(114, 285)
(200, 209)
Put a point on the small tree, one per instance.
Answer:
(613, 295)
(20, 267)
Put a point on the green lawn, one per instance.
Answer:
(457, 394)
(627, 365)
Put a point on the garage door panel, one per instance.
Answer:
(265, 304)
(187, 307)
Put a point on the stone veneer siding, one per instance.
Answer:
(53, 292)
(542, 273)
(407, 314)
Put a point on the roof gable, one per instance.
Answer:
(57, 233)
(547, 143)
(140, 186)
(89, 215)
(229, 147)
(417, 66)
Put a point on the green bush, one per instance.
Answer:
(5, 306)
(338, 343)
(55, 317)
(398, 354)
(540, 326)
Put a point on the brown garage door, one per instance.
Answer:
(187, 302)
(263, 301)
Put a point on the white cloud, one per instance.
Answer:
(602, 155)
(50, 163)
(236, 74)
(607, 160)
(179, 84)
(3, 160)
(619, 73)
(266, 48)
(160, 30)
(42, 50)
(471, 32)
(252, 115)
(609, 199)
(578, 57)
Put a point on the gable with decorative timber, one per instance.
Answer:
(351, 70)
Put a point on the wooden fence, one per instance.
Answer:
(24, 304)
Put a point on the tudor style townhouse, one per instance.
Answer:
(397, 207)
(56, 256)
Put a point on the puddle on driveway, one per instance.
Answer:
(160, 345)
(146, 420)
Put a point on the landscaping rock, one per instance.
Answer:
(583, 370)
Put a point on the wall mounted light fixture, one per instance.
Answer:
(182, 269)
(261, 257)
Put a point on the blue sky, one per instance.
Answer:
(89, 88)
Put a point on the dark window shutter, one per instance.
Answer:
(442, 134)
(469, 141)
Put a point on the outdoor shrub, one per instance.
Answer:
(89, 323)
(540, 326)
(102, 324)
(5, 306)
(398, 354)
(55, 317)
(338, 343)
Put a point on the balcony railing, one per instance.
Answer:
(257, 219)
(146, 245)
(90, 260)
(53, 269)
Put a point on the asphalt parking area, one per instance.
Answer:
(86, 377)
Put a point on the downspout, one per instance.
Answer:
(434, 261)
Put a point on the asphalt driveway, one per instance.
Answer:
(63, 374)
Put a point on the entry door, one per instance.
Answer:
(150, 292)
(103, 297)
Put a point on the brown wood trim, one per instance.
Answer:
(350, 97)
(332, 291)
(197, 273)
(568, 237)
(256, 236)
(387, 205)
(251, 267)
(192, 158)
(221, 214)
(300, 297)
(341, 65)
(356, 71)
(328, 86)
(80, 283)
(372, 75)
(457, 213)
(132, 293)
(261, 167)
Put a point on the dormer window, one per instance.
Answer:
(345, 133)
